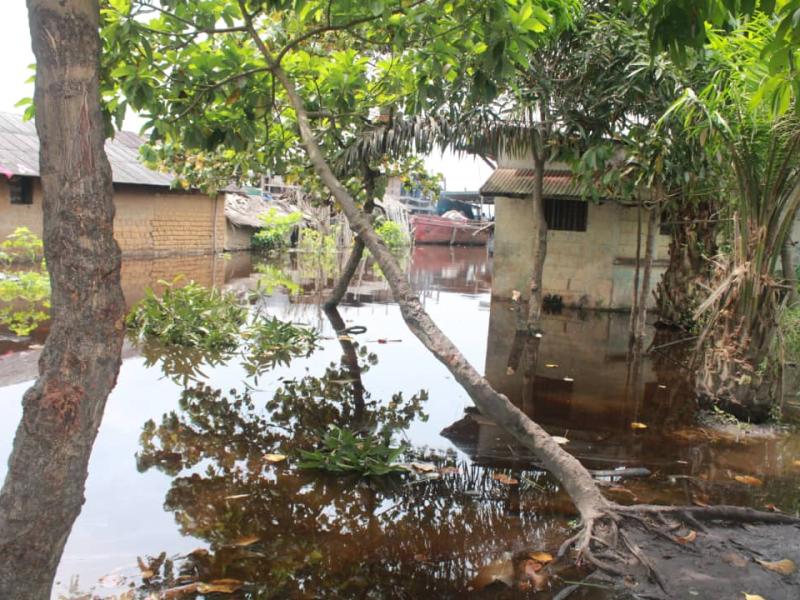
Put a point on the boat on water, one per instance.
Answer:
(432, 229)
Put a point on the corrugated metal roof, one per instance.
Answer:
(520, 182)
(19, 154)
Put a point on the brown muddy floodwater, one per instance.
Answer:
(178, 476)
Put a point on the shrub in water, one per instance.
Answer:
(25, 295)
(393, 235)
(276, 229)
(191, 316)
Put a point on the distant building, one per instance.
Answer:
(591, 246)
(151, 218)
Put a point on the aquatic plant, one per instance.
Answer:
(191, 316)
(343, 451)
(272, 342)
(274, 235)
(190, 327)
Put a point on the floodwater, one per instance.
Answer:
(179, 490)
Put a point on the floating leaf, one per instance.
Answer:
(501, 570)
(637, 425)
(784, 567)
(423, 467)
(246, 541)
(274, 458)
(735, 559)
(504, 479)
(752, 596)
(749, 480)
(530, 577)
(542, 557)
(220, 586)
(688, 538)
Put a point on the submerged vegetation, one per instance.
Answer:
(190, 316)
(191, 326)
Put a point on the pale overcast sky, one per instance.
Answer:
(460, 174)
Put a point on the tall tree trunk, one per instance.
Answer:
(356, 254)
(644, 284)
(685, 283)
(539, 241)
(636, 274)
(577, 481)
(789, 275)
(43, 491)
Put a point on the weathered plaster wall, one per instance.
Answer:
(593, 268)
(148, 221)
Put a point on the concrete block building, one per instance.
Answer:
(591, 246)
(152, 219)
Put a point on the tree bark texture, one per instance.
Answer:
(576, 480)
(43, 491)
(687, 278)
(644, 284)
(789, 275)
(539, 241)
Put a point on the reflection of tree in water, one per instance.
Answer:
(291, 533)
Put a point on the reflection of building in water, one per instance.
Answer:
(581, 387)
(463, 269)
(139, 274)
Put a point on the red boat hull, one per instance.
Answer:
(438, 230)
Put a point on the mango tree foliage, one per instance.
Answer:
(215, 110)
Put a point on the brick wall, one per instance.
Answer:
(148, 222)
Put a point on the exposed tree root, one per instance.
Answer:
(607, 540)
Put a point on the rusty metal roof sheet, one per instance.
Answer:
(519, 183)
(19, 154)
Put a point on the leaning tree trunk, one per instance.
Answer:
(685, 283)
(605, 525)
(43, 491)
(576, 480)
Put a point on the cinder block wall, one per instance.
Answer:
(593, 268)
(149, 221)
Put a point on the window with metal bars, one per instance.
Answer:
(565, 215)
(20, 190)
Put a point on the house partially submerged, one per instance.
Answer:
(591, 246)
(152, 219)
